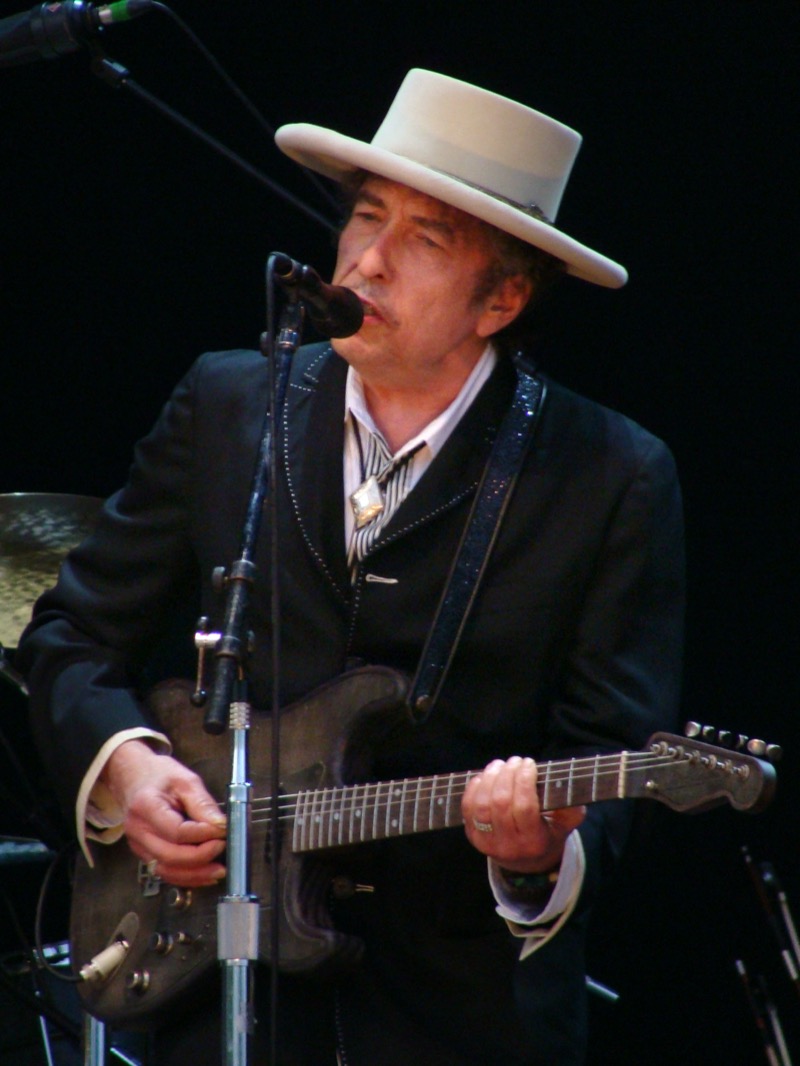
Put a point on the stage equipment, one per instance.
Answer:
(36, 532)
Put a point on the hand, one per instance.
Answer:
(169, 815)
(521, 837)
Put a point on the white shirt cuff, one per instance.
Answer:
(533, 924)
(98, 816)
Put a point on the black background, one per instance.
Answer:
(127, 248)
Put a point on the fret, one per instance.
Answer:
(307, 826)
(390, 803)
(326, 826)
(595, 769)
(342, 795)
(353, 804)
(323, 820)
(297, 824)
(402, 820)
(313, 820)
(416, 806)
(546, 805)
(623, 769)
(430, 801)
(362, 812)
(449, 799)
(569, 802)
(375, 811)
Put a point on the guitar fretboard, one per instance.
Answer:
(356, 814)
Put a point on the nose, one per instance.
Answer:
(375, 256)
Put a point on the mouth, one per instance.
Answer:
(371, 311)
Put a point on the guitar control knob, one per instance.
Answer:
(183, 938)
(179, 898)
(161, 943)
(137, 981)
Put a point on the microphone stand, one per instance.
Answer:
(238, 911)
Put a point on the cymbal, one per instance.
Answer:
(37, 530)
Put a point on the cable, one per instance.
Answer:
(40, 957)
(239, 93)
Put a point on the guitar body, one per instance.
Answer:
(172, 933)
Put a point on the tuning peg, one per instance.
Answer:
(692, 730)
(740, 742)
(761, 750)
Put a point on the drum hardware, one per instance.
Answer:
(30, 811)
(37, 530)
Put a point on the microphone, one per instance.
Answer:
(334, 310)
(53, 29)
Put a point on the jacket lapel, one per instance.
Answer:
(313, 435)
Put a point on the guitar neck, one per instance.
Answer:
(356, 814)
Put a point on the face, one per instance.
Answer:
(415, 263)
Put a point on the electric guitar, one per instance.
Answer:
(163, 937)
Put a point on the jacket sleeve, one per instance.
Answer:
(622, 676)
(90, 636)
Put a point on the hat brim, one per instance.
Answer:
(336, 155)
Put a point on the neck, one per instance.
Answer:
(401, 416)
(401, 410)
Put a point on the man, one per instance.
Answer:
(571, 646)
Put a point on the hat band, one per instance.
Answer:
(532, 209)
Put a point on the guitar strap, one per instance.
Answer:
(480, 533)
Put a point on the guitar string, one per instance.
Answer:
(431, 785)
(390, 792)
(580, 771)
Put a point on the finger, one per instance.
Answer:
(525, 806)
(565, 819)
(164, 815)
(478, 801)
(197, 877)
(149, 845)
(199, 805)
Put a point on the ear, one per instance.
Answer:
(503, 305)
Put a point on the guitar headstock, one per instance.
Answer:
(689, 774)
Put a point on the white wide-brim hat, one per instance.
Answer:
(489, 156)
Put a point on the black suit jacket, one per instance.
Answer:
(573, 646)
